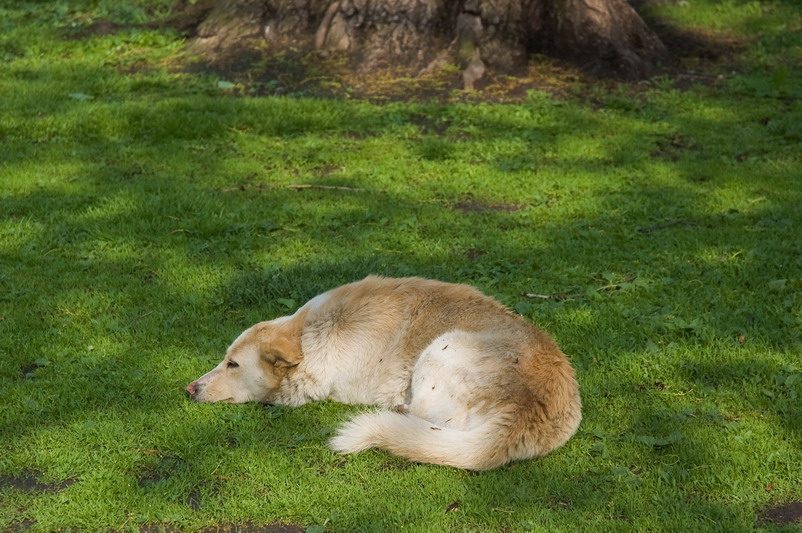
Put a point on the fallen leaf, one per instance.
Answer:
(81, 96)
(286, 302)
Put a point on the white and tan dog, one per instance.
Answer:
(464, 382)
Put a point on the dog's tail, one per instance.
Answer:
(481, 448)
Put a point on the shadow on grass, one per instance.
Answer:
(131, 246)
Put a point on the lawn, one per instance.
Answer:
(148, 215)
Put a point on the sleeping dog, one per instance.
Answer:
(461, 380)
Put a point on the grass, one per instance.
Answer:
(146, 219)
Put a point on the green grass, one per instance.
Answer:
(145, 220)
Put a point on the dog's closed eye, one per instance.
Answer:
(232, 364)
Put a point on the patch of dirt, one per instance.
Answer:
(28, 370)
(672, 146)
(24, 525)
(311, 73)
(782, 514)
(28, 481)
(193, 499)
(161, 471)
(150, 479)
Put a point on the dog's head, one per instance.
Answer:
(255, 364)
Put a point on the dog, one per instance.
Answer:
(462, 380)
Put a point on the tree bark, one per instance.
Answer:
(605, 37)
(600, 36)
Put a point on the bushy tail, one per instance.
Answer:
(481, 448)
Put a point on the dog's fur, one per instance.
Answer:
(463, 381)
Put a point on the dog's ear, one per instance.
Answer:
(280, 344)
(285, 353)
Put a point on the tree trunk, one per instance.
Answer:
(605, 37)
